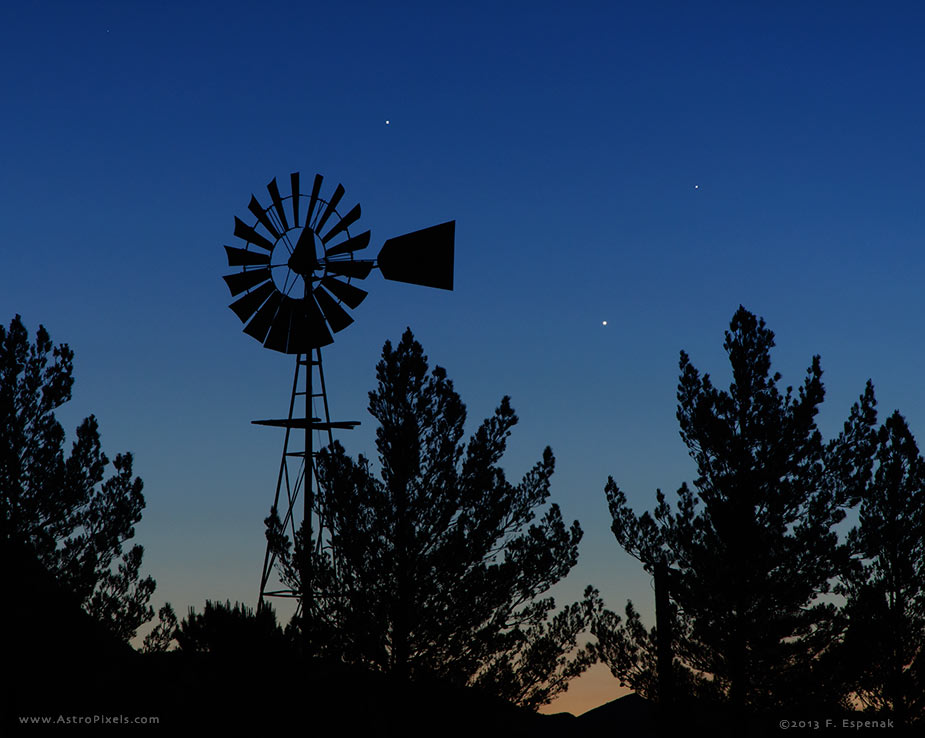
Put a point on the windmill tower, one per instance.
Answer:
(298, 269)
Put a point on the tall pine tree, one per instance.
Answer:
(750, 550)
(438, 567)
(65, 510)
(883, 653)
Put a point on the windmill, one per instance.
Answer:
(297, 280)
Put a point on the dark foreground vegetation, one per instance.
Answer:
(424, 606)
(235, 674)
(65, 666)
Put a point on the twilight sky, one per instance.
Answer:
(650, 164)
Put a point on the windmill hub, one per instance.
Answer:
(304, 258)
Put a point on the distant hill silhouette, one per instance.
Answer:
(628, 715)
(59, 661)
(635, 716)
(50, 641)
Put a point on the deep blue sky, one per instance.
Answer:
(650, 164)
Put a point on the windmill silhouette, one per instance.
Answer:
(298, 269)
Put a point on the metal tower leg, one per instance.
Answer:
(290, 481)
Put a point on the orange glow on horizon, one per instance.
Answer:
(594, 688)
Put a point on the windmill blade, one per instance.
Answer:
(298, 331)
(257, 209)
(300, 337)
(241, 281)
(423, 257)
(332, 205)
(337, 317)
(243, 231)
(350, 245)
(245, 307)
(243, 257)
(316, 188)
(261, 322)
(343, 224)
(317, 330)
(348, 294)
(278, 337)
(359, 269)
(294, 181)
(273, 189)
